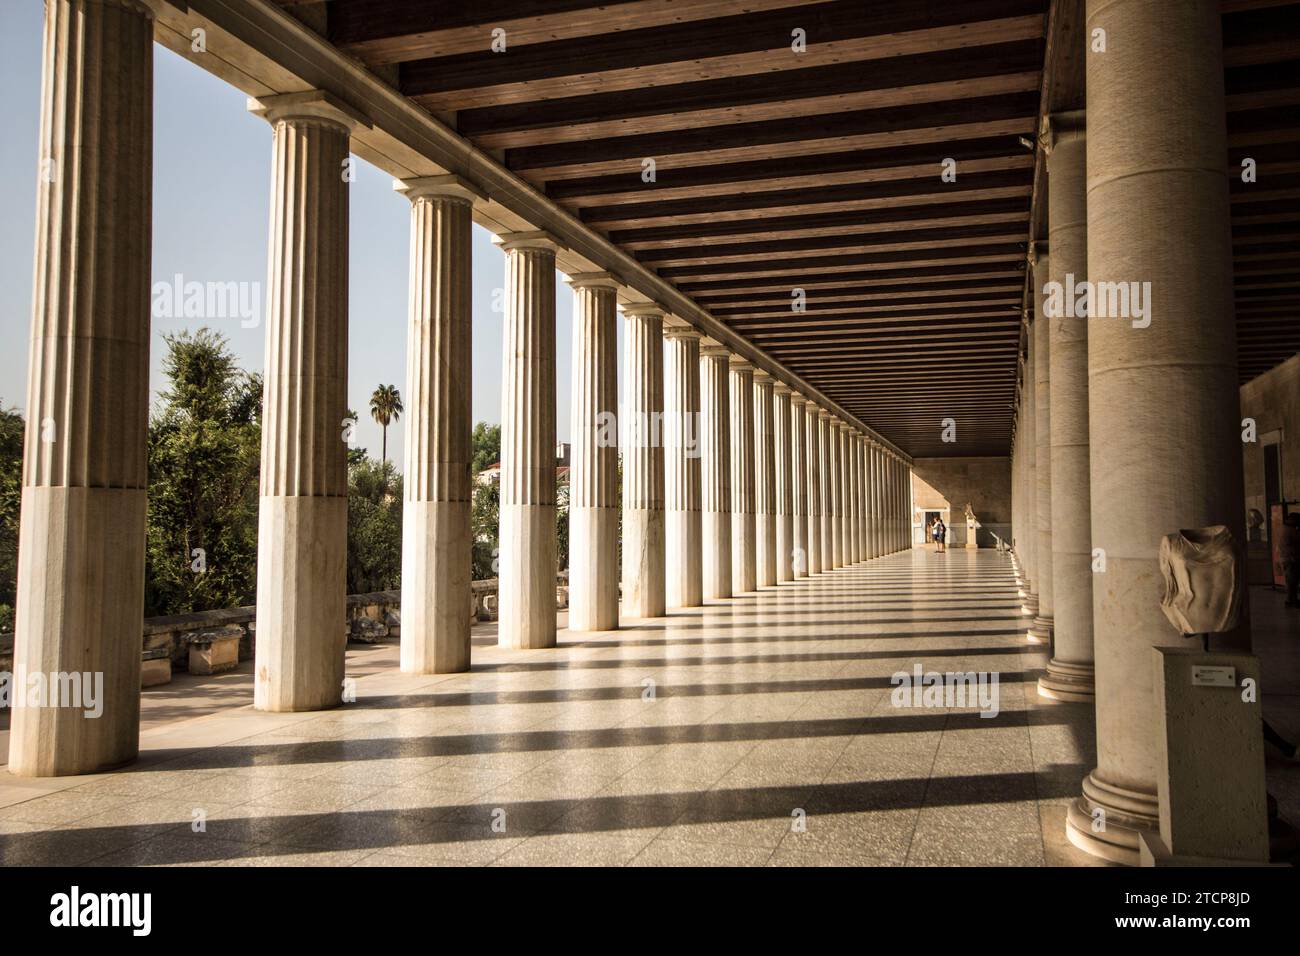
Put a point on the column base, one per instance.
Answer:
(526, 609)
(1069, 682)
(1029, 606)
(436, 596)
(1107, 820)
(1040, 630)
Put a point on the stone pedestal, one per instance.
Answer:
(1164, 414)
(764, 482)
(682, 473)
(715, 468)
(527, 559)
(80, 585)
(302, 520)
(744, 566)
(1070, 671)
(644, 588)
(437, 545)
(593, 472)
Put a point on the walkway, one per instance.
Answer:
(757, 731)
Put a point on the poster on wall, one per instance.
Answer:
(1276, 518)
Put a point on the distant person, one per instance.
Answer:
(940, 535)
(1289, 549)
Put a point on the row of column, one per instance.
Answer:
(730, 481)
(1127, 424)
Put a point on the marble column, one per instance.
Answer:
(437, 544)
(1070, 671)
(782, 432)
(1029, 605)
(850, 497)
(828, 490)
(873, 462)
(682, 473)
(744, 570)
(715, 468)
(527, 560)
(799, 486)
(764, 481)
(1041, 628)
(860, 468)
(302, 520)
(1163, 405)
(80, 585)
(813, 468)
(593, 475)
(644, 569)
(831, 502)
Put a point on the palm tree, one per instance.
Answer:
(386, 407)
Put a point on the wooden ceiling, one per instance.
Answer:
(820, 170)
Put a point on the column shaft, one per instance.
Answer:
(302, 521)
(1163, 404)
(813, 467)
(593, 475)
(644, 569)
(764, 482)
(1041, 628)
(527, 559)
(798, 487)
(682, 479)
(715, 469)
(744, 571)
(437, 544)
(830, 494)
(80, 585)
(1070, 671)
(782, 431)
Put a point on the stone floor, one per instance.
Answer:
(756, 731)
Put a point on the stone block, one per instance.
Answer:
(368, 631)
(155, 668)
(215, 650)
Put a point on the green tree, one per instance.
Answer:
(11, 489)
(385, 407)
(204, 454)
(486, 446)
(485, 511)
(374, 527)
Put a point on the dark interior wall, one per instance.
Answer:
(952, 482)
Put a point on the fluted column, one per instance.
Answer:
(644, 586)
(1041, 628)
(682, 478)
(892, 463)
(302, 521)
(1070, 671)
(1029, 605)
(593, 473)
(437, 543)
(764, 481)
(781, 431)
(527, 557)
(798, 487)
(873, 464)
(813, 467)
(864, 497)
(830, 494)
(80, 586)
(715, 468)
(1164, 414)
(850, 517)
(744, 571)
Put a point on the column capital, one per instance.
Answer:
(823, 414)
(447, 186)
(739, 364)
(1060, 128)
(1037, 252)
(319, 105)
(763, 378)
(593, 280)
(531, 239)
(798, 399)
(714, 349)
(681, 332)
(638, 309)
(780, 388)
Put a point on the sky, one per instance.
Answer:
(211, 202)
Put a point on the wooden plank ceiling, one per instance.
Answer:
(820, 170)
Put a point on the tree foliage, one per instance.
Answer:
(486, 443)
(374, 527)
(204, 452)
(385, 408)
(11, 488)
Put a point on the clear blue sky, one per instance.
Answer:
(211, 171)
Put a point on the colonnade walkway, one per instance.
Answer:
(758, 730)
